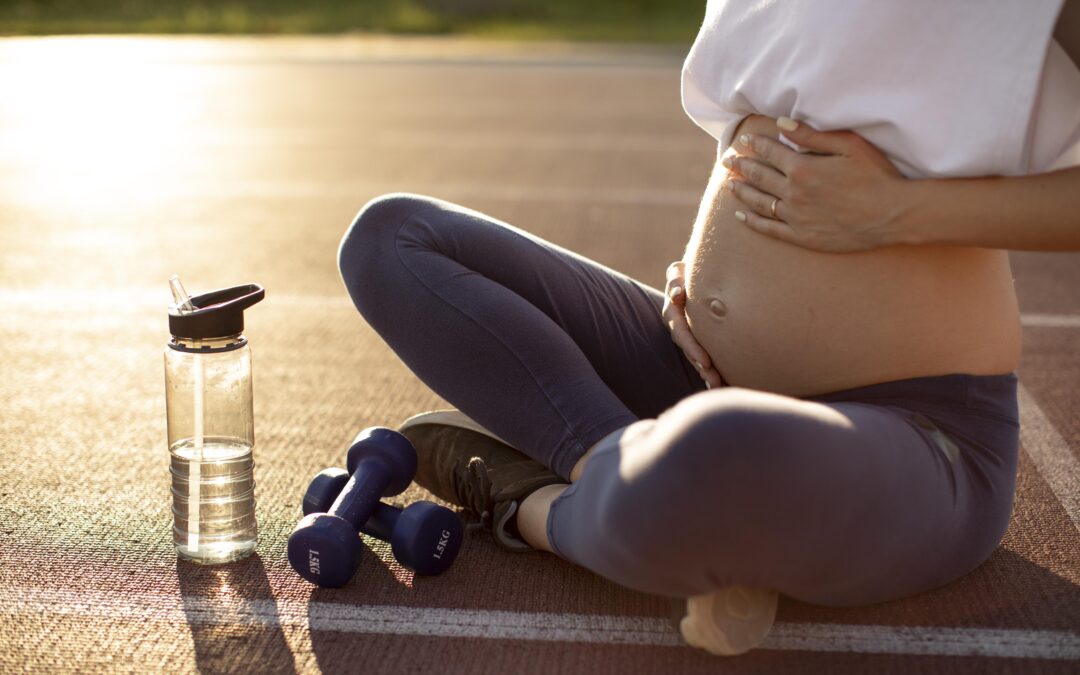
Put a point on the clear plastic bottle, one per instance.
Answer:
(208, 399)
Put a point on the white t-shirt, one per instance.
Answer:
(943, 87)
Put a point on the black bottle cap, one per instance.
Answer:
(216, 314)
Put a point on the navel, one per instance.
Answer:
(717, 308)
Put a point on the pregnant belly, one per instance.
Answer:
(780, 318)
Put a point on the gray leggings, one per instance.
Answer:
(852, 497)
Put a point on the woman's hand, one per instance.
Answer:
(674, 313)
(842, 199)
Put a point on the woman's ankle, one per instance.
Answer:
(532, 515)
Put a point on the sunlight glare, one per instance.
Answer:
(89, 121)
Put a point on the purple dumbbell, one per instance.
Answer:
(424, 536)
(325, 548)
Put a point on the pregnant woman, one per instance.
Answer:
(822, 402)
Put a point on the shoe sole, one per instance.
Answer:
(451, 417)
(730, 621)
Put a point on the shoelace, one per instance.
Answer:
(473, 489)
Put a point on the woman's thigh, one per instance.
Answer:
(484, 313)
(839, 503)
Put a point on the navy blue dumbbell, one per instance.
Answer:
(325, 548)
(424, 536)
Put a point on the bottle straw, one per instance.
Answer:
(195, 465)
(183, 301)
(183, 305)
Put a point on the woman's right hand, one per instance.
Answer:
(674, 313)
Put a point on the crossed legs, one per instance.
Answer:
(685, 490)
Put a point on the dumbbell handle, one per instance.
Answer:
(381, 523)
(360, 497)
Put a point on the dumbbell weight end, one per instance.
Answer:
(325, 550)
(424, 536)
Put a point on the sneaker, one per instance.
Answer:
(463, 463)
(730, 621)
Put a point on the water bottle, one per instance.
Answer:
(211, 425)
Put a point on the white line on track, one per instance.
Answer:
(1052, 320)
(537, 626)
(1048, 449)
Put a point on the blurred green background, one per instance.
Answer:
(605, 20)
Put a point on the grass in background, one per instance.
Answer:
(608, 20)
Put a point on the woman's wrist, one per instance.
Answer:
(906, 208)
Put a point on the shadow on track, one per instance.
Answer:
(234, 618)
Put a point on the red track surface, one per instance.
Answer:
(124, 162)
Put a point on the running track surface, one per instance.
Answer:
(123, 161)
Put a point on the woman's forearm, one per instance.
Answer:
(1029, 213)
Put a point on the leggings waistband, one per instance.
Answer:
(994, 395)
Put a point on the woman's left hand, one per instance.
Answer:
(844, 198)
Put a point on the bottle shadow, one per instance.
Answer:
(234, 618)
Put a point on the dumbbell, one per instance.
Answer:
(424, 536)
(325, 548)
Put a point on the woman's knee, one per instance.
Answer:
(728, 434)
(721, 451)
(367, 253)
(371, 234)
(660, 505)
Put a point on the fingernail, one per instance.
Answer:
(707, 385)
(745, 139)
(698, 365)
(740, 216)
(676, 290)
(787, 124)
(728, 162)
